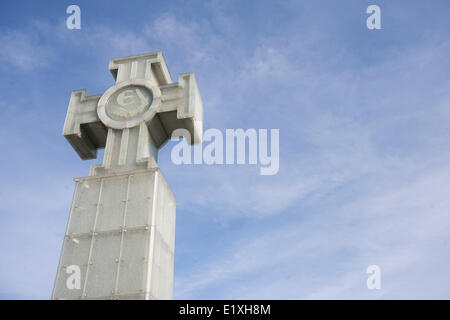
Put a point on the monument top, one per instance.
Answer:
(136, 116)
(160, 67)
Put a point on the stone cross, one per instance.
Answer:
(136, 116)
(120, 238)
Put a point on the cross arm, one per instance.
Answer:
(181, 107)
(82, 128)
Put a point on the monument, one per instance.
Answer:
(120, 237)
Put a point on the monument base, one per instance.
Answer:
(120, 238)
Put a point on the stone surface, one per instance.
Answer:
(136, 116)
(121, 233)
(121, 229)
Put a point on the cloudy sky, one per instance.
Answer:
(364, 120)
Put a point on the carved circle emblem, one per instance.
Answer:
(128, 103)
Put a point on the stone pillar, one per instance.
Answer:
(121, 236)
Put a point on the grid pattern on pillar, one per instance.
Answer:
(108, 237)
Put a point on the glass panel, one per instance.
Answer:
(84, 207)
(102, 271)
(133, 264)
(113, 198)
(75, 252)
(140, 200)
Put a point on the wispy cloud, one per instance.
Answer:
(324, 253)
(23, 50)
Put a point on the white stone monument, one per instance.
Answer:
(120, 237)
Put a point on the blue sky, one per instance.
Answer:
(364, 119)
